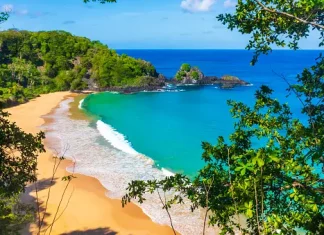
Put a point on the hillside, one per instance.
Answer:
(32, 63)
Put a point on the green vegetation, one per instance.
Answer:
(195, 75)
(18, 163)
(14, 215)
(276, 187)
(275, 22)
(186, 71)
(185, 67)
(32, 63)
(3, 16)
(230, 78)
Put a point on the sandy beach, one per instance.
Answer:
(84, 209)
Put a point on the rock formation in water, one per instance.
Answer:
(188, 75)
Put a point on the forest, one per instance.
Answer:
(33, 63)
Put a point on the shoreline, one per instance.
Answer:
(88, 209)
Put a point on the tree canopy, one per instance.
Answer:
(18, 163)
(276, 22)
(39, 62)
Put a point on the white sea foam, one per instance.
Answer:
(115, 138)
(105, 154)
(165, 90)
(80, 104)
(167, 172)
(250, 84)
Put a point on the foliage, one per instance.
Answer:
(186, 71)
(276, 22)
(13, 215)
(41, 62)
(3, 16)
(277, 185)
(18, 162)
(18, 156)
(185, 67)
(195, 75)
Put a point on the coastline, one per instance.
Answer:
(88, 209)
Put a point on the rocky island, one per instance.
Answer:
(188, 75)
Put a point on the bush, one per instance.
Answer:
(195, 75)
(185, 67)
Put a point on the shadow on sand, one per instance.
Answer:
(98, 231)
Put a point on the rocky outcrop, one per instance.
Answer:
(132, 89)
(188, 75)
(147, 83)
(224, 82)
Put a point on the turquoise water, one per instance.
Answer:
(170, 126)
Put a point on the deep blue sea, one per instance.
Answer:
(169, 127)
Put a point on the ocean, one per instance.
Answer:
(153, 134)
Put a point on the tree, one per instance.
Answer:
(42, 62)
(194, 74)
(276, 22)
(18, 163)
(18, 154)
(185, 67)
(13, 215)
(3, 16)
(278, 186)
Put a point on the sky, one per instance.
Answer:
(135, 24)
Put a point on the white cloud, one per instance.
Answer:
(7, 8)
(197, 5)
(22, 12)
(229, 3)
(10, 8)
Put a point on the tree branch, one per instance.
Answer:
(207, 202)
(264, 7)
(167, 210)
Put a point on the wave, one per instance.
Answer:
(80, 104)
(167, 172)
(250, 84)
(115, 138)
(165, 90)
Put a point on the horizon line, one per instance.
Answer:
(215, 49)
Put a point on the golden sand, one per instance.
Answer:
(84, 209)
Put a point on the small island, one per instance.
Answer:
(188, 75)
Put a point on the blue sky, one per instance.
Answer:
(135, 24)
